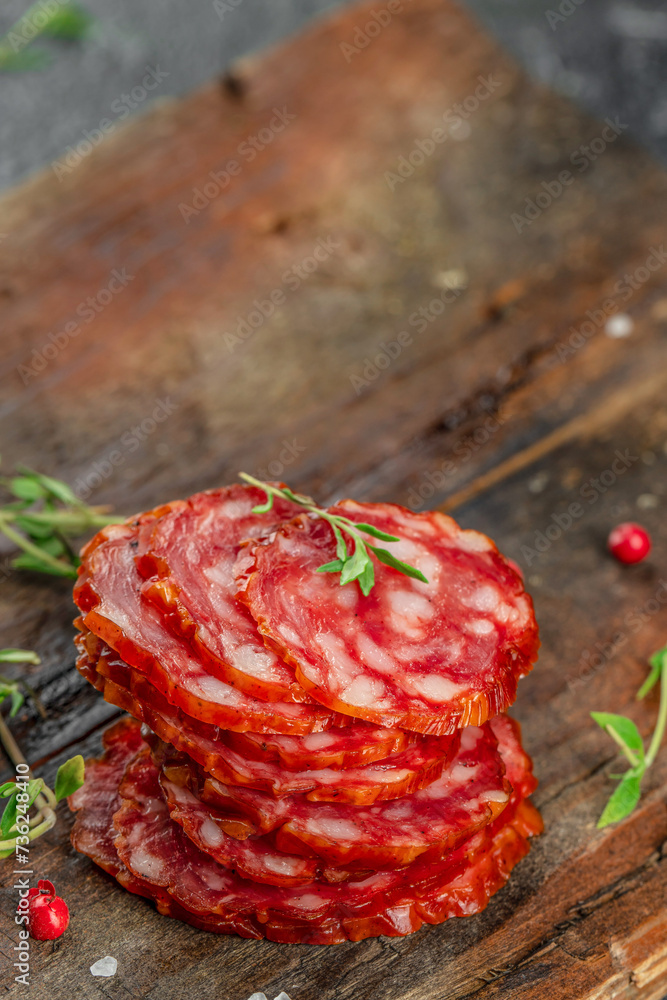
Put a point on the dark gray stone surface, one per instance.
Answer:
(608, 55)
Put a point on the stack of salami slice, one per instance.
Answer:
(303, 762)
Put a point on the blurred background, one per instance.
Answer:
(606, 55)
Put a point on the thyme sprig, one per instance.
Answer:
(625, 734)
(355, 565)
(68, 22)
(17, 827)
(43, 518)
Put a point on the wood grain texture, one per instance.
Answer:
(491, 409)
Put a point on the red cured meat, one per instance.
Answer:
(430, 822)
(108, 595)
(187, 558)
(355, 746)
(429, 657)
(186, 884)
(255, 857)
(390, 778)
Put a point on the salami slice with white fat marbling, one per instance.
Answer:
(153, 848)
(186, 557)
(394, 776)
(431, 822)
(429, 657)
(357, 745)
(108, 594)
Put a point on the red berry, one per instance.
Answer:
(629, 542)
(48, 915)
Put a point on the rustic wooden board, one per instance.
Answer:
(486, 386)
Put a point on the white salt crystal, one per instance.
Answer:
(262, 996)
(618, 326)
(105, 967)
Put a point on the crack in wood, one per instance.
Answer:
(580, 912)
(613, 408)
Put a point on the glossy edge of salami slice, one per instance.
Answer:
(472, 707)
(166, 586)
(137, 634)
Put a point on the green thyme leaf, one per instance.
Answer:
(341, 547)
(11, 689)
(34, 565)
(626, 735)
(27, 489)
(264, 508)
(370, 529)
(330, 567)
(389, 560)
(657, 662)
(35, 786)
(624, 732)
(70, 776)
(19, 656)
(359, 565)
(47, 515)
(17, 702)
(9, 815)
(355, 565)
(623, 800)
(13, 806)
(24, 60)
(69, 22)
(367, 578)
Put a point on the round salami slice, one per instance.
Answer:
(419, 764)
(253, 857)
(429, 657)
(133, 693)
(153, 847)
(430, 822)
(187, 884)
(108, 594)
(406, 772)
(187, 558)
(357, 745)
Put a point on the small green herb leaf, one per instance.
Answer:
(11, 689)
(30, 562)
(389, 560)
(27, 489)
(19, 656)
(624, 732)
(70, 22)
(359, 565)
(17, 702)
(8, 816)
(35, 786)
(623, 800)
(264, 508)
(367, 578)
(70, 776)
(341, 547)
(355, 565)
(657, 662)
(26, 59)
(331, 567)
(369, 529)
